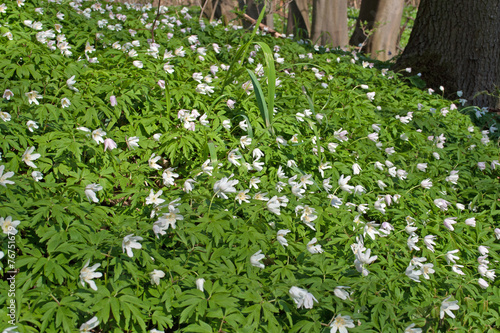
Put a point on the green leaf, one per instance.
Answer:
(240, 54)
(271, 79)
(200, 327)
(261, 102)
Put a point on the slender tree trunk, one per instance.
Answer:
(221, 9)
(456, 44)
(330, 23)
(384, 16)
(298, 19)
(271, 8)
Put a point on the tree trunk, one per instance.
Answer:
(414, 3)
(456, 44)
(271, 8)
(253, 9)
(298, 19)
(330, 23)
(385, 17)
(221, 9)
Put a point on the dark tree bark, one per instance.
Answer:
(253, 9)
(385, 17)
(330, 22)
(456, 44)
(298, 19)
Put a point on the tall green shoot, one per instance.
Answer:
(240, 54)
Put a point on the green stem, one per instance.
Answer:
(365, 137)
(167, 97)
(414, 187)
(211, 201)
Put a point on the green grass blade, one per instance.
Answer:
(309, 100)
(214, 103)
(261, 101)
(167, 97)
(259, 20)
(213, 152)
(250, 130)
(311, 123)
(240, 54)
(271, 80)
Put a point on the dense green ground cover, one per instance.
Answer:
(150, 187)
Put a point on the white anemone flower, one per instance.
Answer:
(5, 116)
(200, 283)
(70, 82)
(256, 258)
(233, 157)
(3, 176)
(152, 161)
(91, 190)
(32, 125)
(442, 204)
(363, 258)
(89, 325)
(154, 199)
(243, 197)
(33, 97)
(302, 297)
(341, 323)
(8, 226)
(133, 142)
(88, 273)
(343, 184)
(451, 257)
(97, 135)
(189, 185)
(274, 205)
(356, 169)
(341, 293)
(411, 329)
(65, 102)
(280, 237)
(225, 185)
(447, 306)
(131, 242)
(314, 248)
(29, 157)
(245, 141)
(156, 275)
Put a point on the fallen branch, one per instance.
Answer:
(262, 26)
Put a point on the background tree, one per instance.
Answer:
(329, 25)
(457, 44)
(253, 8)
(384, 16)
(271, 8)
(220, 9)
(298, 19)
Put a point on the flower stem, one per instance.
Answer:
(211, 201)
